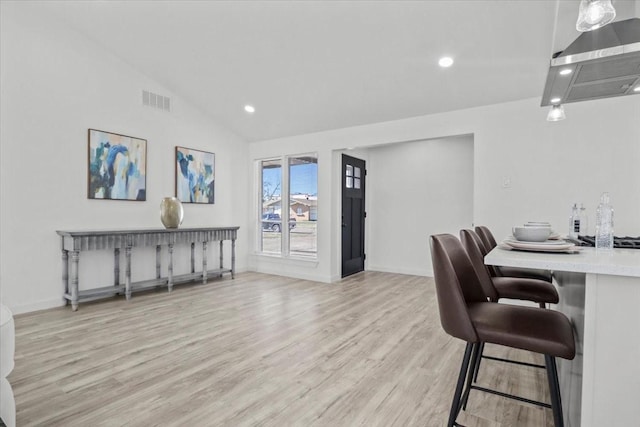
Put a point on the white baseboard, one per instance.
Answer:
(37, 306)
(424, 273)
(294, 274)
(412, 271)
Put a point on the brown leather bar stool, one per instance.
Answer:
(465, 313)
(495, 288)
(520, 288)
(489, 243)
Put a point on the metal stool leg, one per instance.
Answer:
(554, 390)
(475, 360)
(455, 405)
(477, 367)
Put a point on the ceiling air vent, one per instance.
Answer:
(153, 100)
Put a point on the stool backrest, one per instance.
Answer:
(457, 285)
(475, 249)
(487, 237)
(493, 270)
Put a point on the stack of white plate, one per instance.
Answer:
(551, 245)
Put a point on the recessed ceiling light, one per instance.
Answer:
(637, 89)
(554, 100)
(249, 108)
(445, 61)
(565, 71)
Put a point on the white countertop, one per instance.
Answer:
(618, 262)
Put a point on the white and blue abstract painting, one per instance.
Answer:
(195, 177)
(117, 166)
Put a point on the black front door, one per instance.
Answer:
(353, 177)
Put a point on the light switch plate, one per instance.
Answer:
(506, 182)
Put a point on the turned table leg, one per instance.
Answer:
(65, 273)
(158, 258)
(75, 260)
(127, 276)
(221, 253)
(193, 257)
(170, 268)
(233, 258)
(116, 267)
(204, 262)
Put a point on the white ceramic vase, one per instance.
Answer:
(171, 212)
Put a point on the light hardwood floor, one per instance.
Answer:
(260, 350)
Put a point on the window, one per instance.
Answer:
(289, 231)
(270, 222)
(303, 190)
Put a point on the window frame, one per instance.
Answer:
(285, 200)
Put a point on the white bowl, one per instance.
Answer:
(531, 234)
(537, 224)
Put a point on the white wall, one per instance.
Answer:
(55, 85)
(416, 189)
(549, 165)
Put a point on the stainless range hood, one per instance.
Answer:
(599, 64)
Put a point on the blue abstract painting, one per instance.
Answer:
(195, 176)
(117, 166)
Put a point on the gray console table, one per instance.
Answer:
(74, 242)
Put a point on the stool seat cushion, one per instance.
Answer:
(530, 273)
(527, 328)
(534, 290)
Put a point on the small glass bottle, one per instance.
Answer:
(584, 221)
(574, 222)
(604, 223)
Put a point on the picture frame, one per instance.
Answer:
(195, 176)
(117, 166)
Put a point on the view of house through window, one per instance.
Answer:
(303, 202)
(271, 229)
(291, 231)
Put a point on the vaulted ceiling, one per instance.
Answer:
(310, 66)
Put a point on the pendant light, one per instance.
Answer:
(556, 113)
(594, 14)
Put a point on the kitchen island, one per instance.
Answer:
(600, 293)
